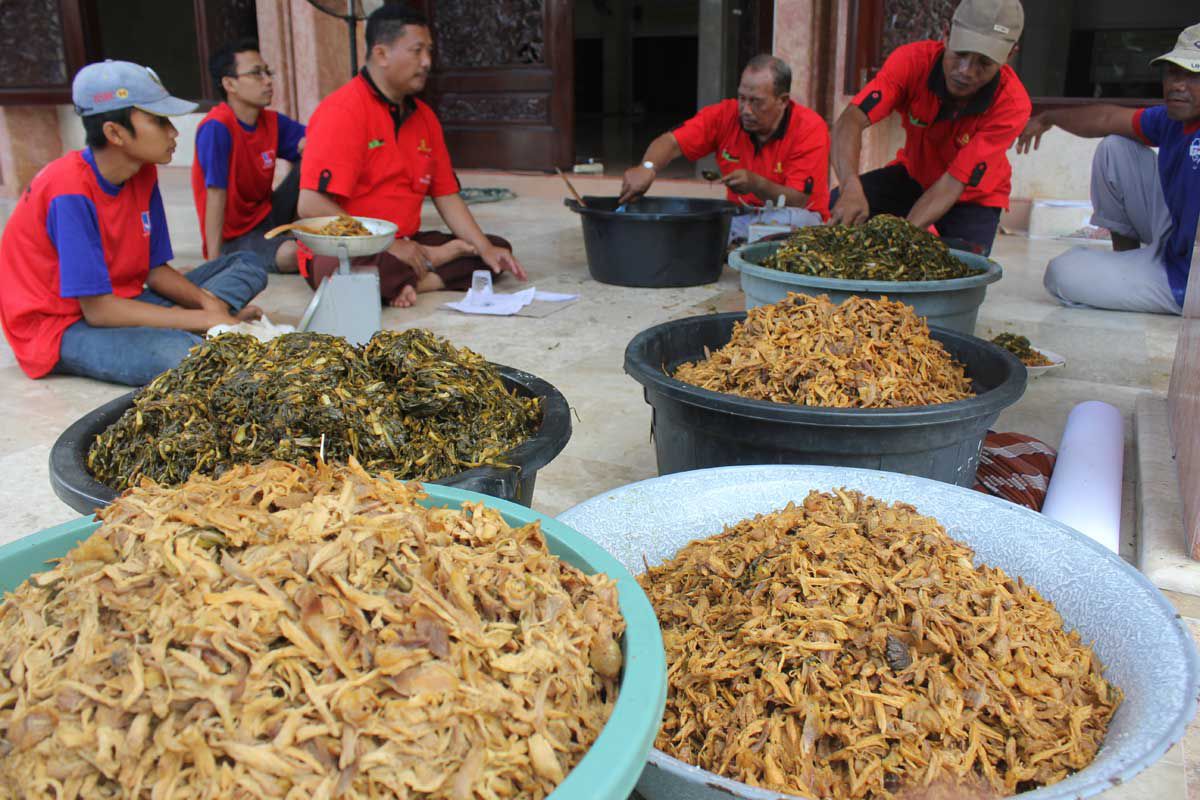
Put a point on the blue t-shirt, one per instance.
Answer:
(73, 225)
(214, 144)
(1179, 173)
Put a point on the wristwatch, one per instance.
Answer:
(649, 165)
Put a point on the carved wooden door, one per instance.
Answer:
(503, 81)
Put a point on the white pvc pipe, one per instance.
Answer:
(1085, 489)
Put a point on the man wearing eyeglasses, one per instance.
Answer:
(236, 147)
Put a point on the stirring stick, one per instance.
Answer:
(574, 193)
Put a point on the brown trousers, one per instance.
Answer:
(394, 274)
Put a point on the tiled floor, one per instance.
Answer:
(1111, 357)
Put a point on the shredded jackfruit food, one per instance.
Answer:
(862, 353)
(847, 648)
(344, 225)
(303, 632)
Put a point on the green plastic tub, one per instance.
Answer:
(612, 767)
(952, 304)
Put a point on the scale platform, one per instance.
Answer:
(347, 303)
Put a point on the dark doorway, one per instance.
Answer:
(635, 77)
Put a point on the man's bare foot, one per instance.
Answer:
(406, 298)
(445, 253)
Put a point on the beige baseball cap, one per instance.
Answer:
(989, 27)
(1187, 50)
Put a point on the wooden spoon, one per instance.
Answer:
(291, 226)
(578, 199)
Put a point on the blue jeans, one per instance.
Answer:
(134, 356)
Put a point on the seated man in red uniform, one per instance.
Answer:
(374, 150)
(85, 287)
(236, 147)
(962, 107)
(768, 146)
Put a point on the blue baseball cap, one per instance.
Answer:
(112, 85)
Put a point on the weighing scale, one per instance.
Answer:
(346, 303)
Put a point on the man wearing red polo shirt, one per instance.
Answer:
(374, 150)
(962, 108)
(768, 146)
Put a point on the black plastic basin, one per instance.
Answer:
(695, 428)
(76, 487)
(656, 242)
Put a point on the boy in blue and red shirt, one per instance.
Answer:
(236, 148)
(1141, 199)
(85, 287)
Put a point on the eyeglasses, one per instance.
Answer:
(258, 73)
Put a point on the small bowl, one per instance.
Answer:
(1055, 359)
(383, 233)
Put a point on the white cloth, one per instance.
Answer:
(739, 229)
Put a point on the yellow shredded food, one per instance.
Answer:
(808, 351)
(344, 225)
(847, 648)
(303, 632)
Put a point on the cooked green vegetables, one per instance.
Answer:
(885, 249)
(407, 402)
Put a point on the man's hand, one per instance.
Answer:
(743, 181)
(413, 255)
(635, 183)
(1032, 135)
(501, 260)
(249, 313)
(852, 207)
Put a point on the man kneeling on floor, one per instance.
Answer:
(374, 150)
(85, 287)
(1150, 205)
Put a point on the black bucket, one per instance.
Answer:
(76, 487)
(695, 428)
(656, 242)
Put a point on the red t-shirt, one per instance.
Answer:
(796, 155)
(251, 171)
(374, 160)
(73, 234)
(970, 143)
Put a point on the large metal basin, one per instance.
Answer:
(1145, 647)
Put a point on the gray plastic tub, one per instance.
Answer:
(1145, 647)
(695, 428)
(952, 304)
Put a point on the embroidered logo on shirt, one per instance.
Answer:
(779, 167)
(371, 145)
(424, 148)
(1194, 152)
(725, 155)
(268, 158)
(145, 223)
(964, 140)
(916, 123)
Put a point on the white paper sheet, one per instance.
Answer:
(505, 305)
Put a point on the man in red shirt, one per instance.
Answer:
(85, 287)
(768, 146)
(374, 150)
(236, 148)
(962, 107)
